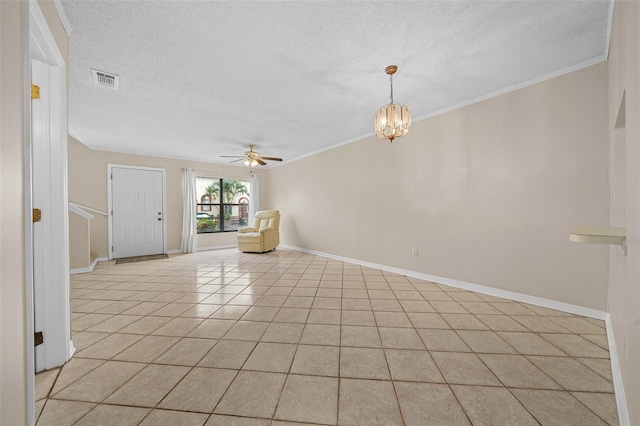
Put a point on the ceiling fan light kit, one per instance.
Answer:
(250, 162)
(393, 120)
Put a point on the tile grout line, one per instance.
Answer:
(291, 265)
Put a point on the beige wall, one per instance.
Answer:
(88, 187)
(79, 252)
(624, 136)
(13, 329)
(488, 193)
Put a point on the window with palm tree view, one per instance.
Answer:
(222, 204)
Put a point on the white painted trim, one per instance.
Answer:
(74, 134)
(27, 13)
(337, 145)
(79, 211)
(49, 185)
(72, 349)
(63, 17)
(227, 246)
(88, 268)
(616, 372)
(41, 41)
(518, 86)
(110, 207)
(89, 209)
(128, 166)
(174, 251)
(609, 28)
(505, 90)
(109, 211)
(243, 175)
(54, 264)
(171, 157)
(164, 211)
(505, 294)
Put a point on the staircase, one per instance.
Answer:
(81, 258)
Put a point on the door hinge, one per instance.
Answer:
(38, 338)
(36, 215)
(35, 91)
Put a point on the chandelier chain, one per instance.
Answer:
(391, 81)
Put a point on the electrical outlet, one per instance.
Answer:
(414, 252)
(306, 237)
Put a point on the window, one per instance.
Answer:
(223, 204)
(205, 200)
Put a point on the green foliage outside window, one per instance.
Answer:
(207, 225)
(222, 206)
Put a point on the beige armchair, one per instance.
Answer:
(263, 236)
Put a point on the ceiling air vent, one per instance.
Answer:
(101, 78)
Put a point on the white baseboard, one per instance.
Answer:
(72, 349)
(88, 268)
(618, 386)
(80, 270)
(175, 251)
(519, 297)
(228, 246)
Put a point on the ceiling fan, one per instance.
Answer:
(251, 158)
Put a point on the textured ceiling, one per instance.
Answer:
(200, 79)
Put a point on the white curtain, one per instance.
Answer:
(254, 198)
(189, 197)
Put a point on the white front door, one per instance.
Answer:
(137, 211)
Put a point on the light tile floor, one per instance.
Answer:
(225, 338)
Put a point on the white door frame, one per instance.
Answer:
(55, 294)
(110, 205)
(52, 313)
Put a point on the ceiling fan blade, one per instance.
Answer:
(232, 156)
(235, 161)
(262, 163)
(271, 158)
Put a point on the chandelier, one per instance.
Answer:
(394, 120)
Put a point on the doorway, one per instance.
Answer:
(48, 342)
(47, 235)
(137, 205)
